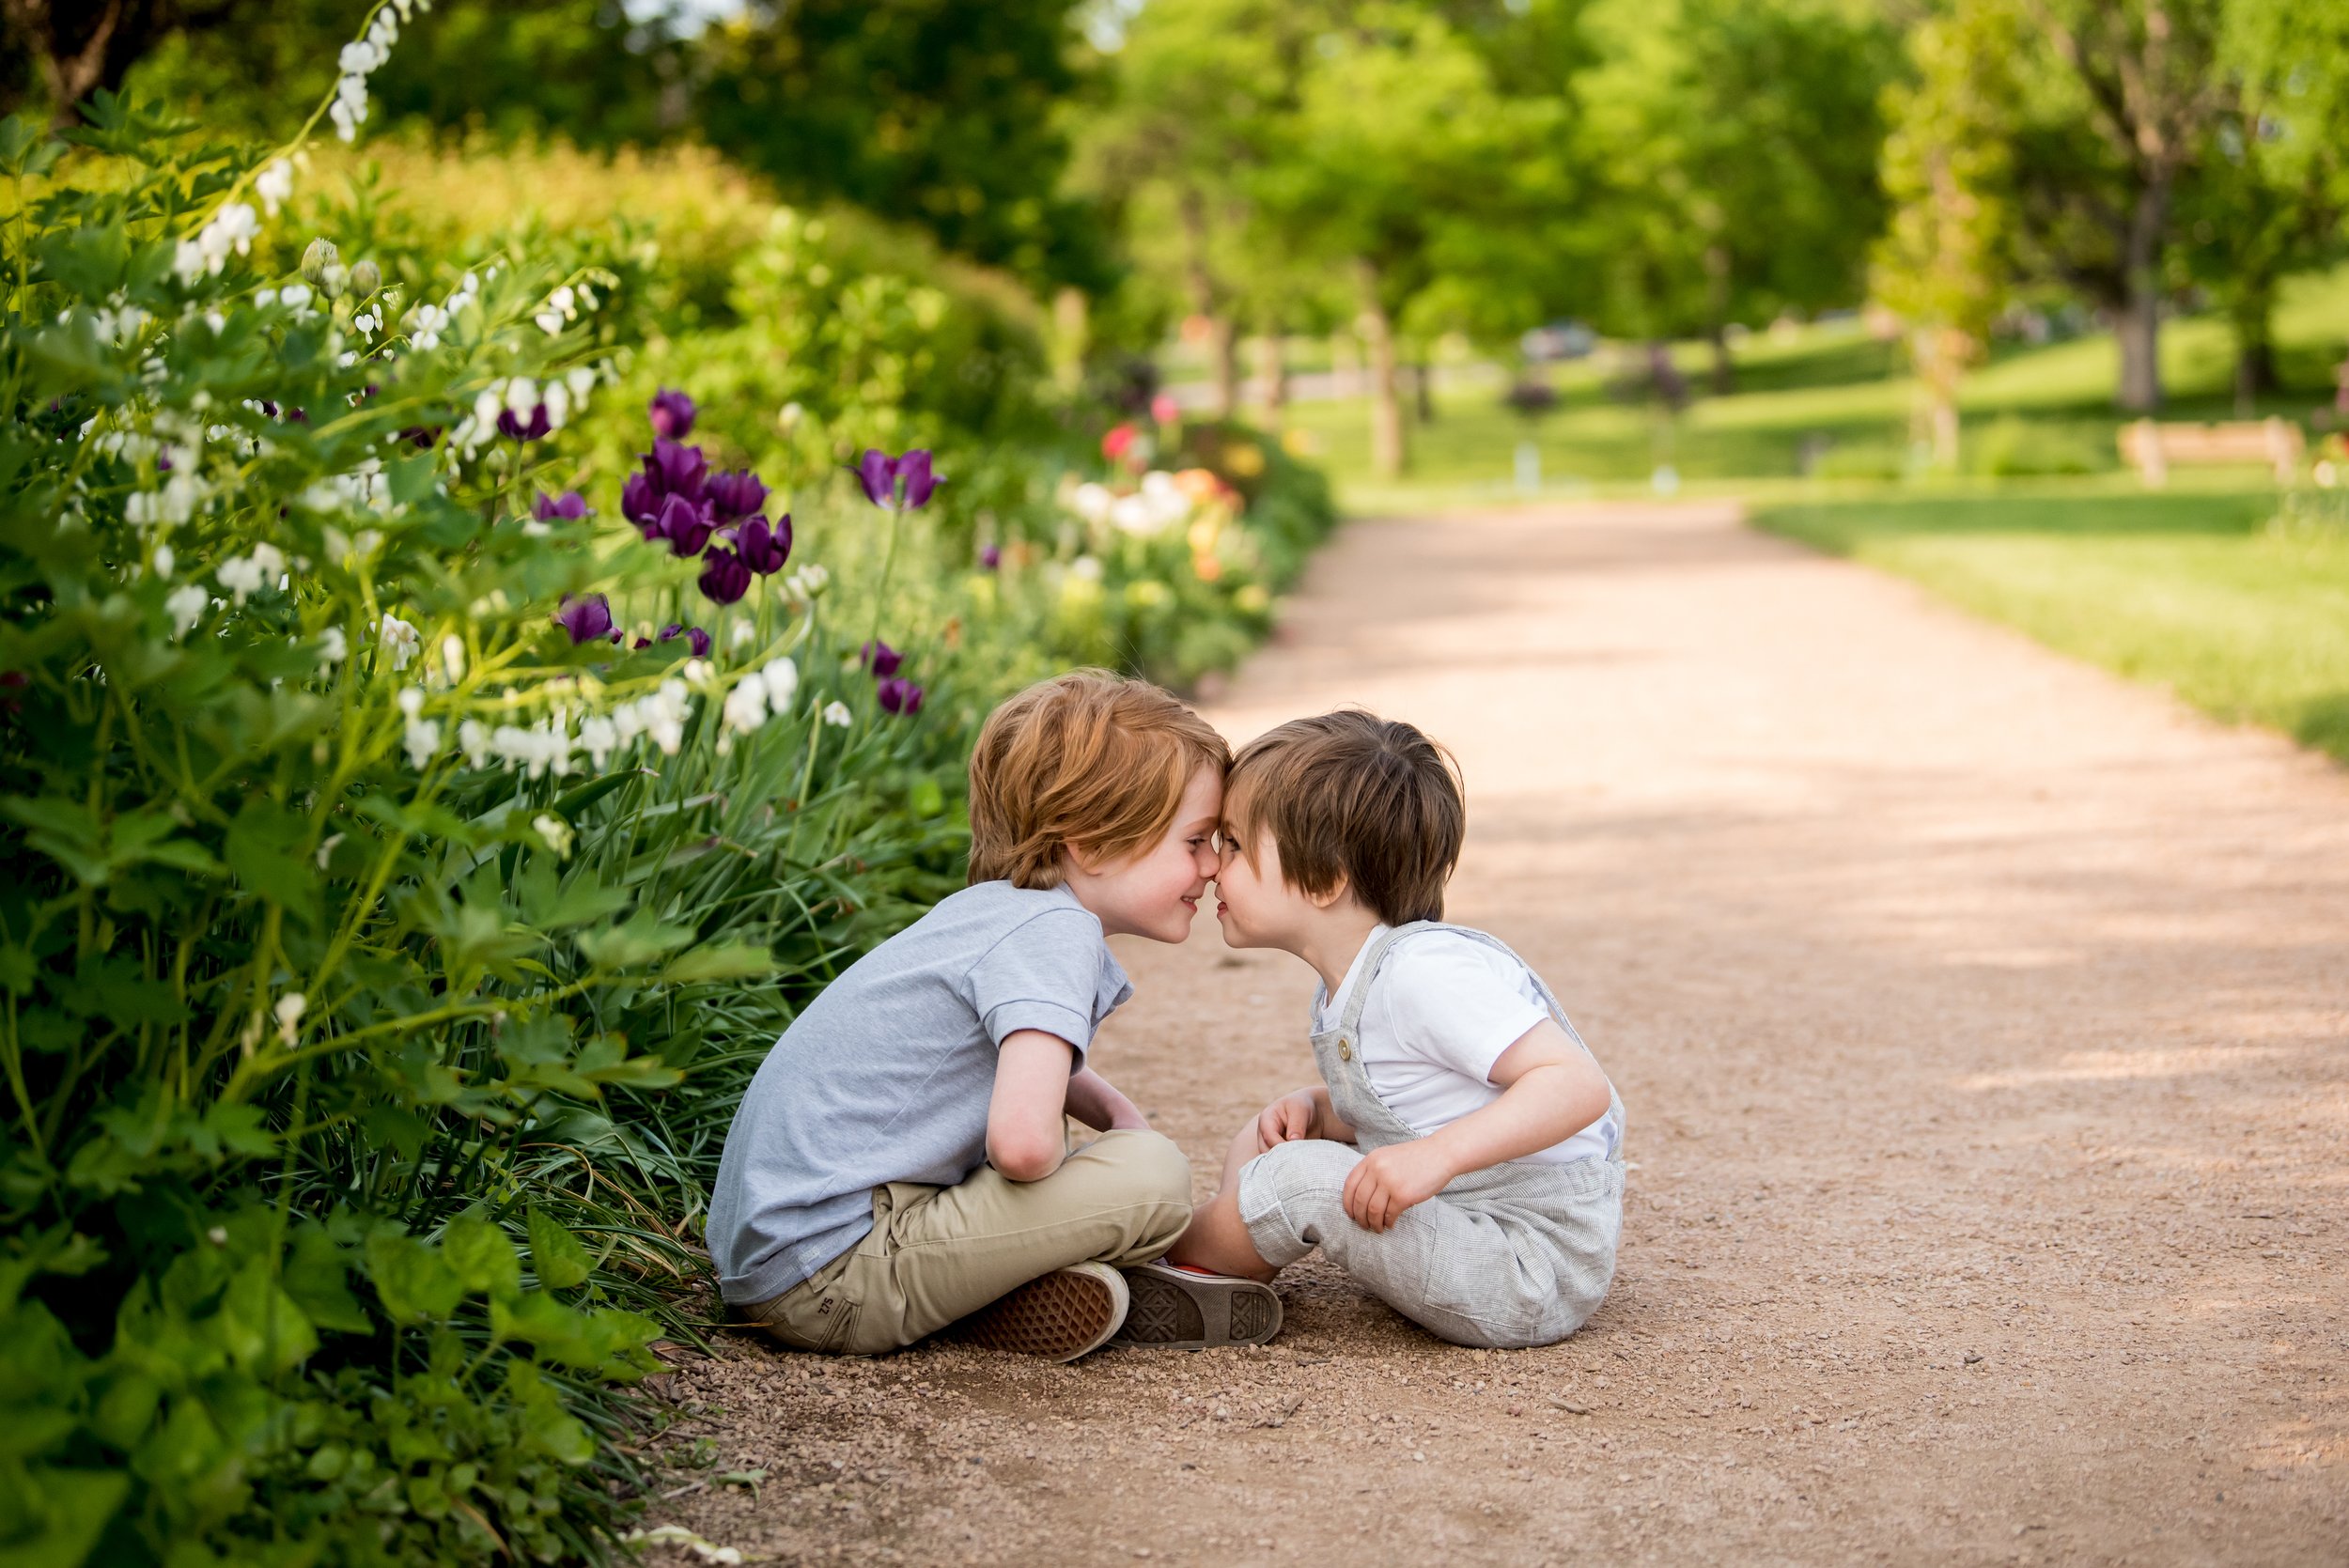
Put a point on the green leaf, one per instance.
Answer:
(91, 262)
(314, 1275)
(415, 1285)
(264, 848)
(644, 936)
(258, 1323)
(410, 479)
(481, 1255)
(549, 905)
(721, 961)
(60, 1515)
(554, 1252)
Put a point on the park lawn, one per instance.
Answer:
(2195, 592)
(1826, 390)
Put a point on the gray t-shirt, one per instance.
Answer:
(886, 1075)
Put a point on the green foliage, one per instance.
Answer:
(946, 114)
(314, 1011)
(1738, 143)
(381, 964)
(2017, 448)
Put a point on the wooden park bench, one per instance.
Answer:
(2154, 448)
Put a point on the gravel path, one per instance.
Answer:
(1982, 1021)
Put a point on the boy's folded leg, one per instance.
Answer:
(1179, 1308)
(1455, 1268)
(937, 1254)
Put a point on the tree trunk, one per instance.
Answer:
(2251, 309)
(1206, 300)
(1272, 376)
(1423, 389)
(1224, 339)
(2139, 321)
(1941, 355)
(1717, 311)
(81, 48)
(1388, 455)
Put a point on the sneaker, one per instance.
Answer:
(1187, 1309)
(1059, 1316)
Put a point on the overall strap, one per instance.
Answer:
(1352, 1023)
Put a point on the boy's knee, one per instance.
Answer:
(1145, 1175)
(1146, 1168)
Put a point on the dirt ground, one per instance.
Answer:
(1982, 1023)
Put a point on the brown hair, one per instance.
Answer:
(1351, 794)
(1086, 759)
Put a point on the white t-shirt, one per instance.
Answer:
(1445, 1007)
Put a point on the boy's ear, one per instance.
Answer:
(1082, 858)
(1333, 895)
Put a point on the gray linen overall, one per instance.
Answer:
(1517, 1254)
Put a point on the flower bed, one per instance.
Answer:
(433, 767)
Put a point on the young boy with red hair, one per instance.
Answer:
(899, 1161)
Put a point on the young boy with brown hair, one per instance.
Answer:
(900, 1160)
(1461, 1157)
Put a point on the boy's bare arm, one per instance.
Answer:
(1551, 1090)
(1026, 1137)
(1096, 1102)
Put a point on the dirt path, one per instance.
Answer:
(1985, 1027)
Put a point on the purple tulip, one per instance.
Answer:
(902, 484)
(588, 619)
(913, 472)
(899, 696)
(735, 493)
(671, 415)
(725, 578)
(879, 657)
(763, 546)
(640, 500)
(677, 470)
(568, 507)
(990, 557)
(686, 525)
(511, 427)
(693, 634)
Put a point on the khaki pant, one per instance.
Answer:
(938, 1253)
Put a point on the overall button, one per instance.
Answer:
(1346, 1051)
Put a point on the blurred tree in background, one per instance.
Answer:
(939, 112)
(2272, 186)
(1738, 142)
(944, 114)
(1659, 168)
(1943, 261)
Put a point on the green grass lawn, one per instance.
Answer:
(2192, 591)
(1830, 392)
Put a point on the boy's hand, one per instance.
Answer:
(1287, 1119)
(1390, 1180)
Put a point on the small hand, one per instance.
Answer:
(1390, 1180)
(1286, 1120)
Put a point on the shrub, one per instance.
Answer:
(2020, 448)
(402, 894)
(363, 916)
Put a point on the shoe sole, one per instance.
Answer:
(1175, 1309)
(1057, 1317)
